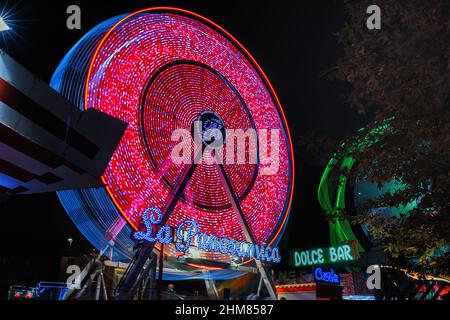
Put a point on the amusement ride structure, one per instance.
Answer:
(160, 70)
(344, 188)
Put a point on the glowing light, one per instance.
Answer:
(187, 234)
(343, 253)
(330, 276)
(185, 67)
(3, 25)
(157, 69)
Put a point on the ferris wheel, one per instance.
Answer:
(161, 70)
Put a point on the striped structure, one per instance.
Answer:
(47, 144)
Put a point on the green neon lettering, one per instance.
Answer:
(320, 259)
(347, 253)
(333, 255)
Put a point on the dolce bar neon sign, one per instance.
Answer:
(321, 256)
(187, 235)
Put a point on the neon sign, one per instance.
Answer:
(326, 276)
(187, 235)
(303, 258)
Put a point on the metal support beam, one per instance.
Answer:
(265, 275)
(105, 293)
(98, 286)
(160, 271)
(258, 293)
(86, 285)
(211, 288)
(85, 272)
(152, 275)
(127, 286)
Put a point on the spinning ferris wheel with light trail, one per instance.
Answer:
(160, 70)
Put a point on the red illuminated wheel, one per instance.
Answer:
(193, 89)
(160, 70)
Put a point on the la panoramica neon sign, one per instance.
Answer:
(187, 235)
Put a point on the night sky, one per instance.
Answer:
(294, 43)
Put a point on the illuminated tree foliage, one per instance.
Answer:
(401, 72)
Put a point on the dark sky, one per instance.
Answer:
(294, 43)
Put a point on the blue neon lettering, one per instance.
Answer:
(191, 231)
(276, 258)
(232, 247)
(149, 221)
(260, 252)
(330, 277)
(164, 235)
(212, 244)
(269, 254)
(223, 244)
(202, 240)
(187, 232)
(240, 249)
(250, 250)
